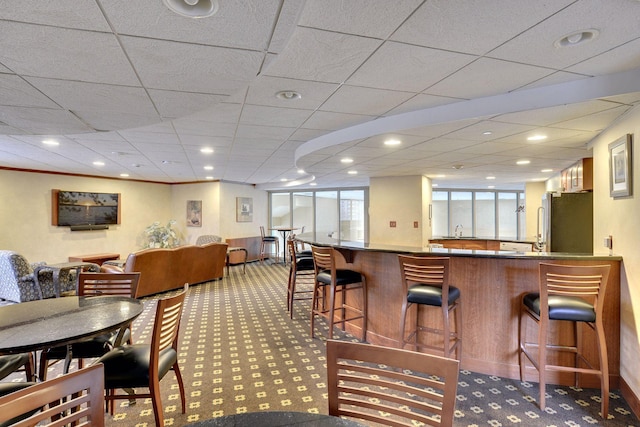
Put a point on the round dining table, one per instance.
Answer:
(37, 325)
(276, 419)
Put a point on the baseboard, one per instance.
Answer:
(630, 397)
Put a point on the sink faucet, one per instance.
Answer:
(458, 231)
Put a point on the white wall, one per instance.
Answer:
(398, 199)
(25, 214)
(621, 219)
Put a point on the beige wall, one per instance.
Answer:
(533, 192)
(399, 199)
(621, 219)
(25, 214)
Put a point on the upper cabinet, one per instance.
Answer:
(578, 177)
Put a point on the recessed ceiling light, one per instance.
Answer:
(283, 179)
(536, 137)
(288, 95)
(392, 142)
(314, 184)
(193, 8)
(576, 38)
(346, 160)
(491, 177)
(457, 166)
(209, 178)
(491, 186)
(301, 171)
(434, 185)
(523, 162)
(98, 163)
(206, 150)
(50, 142)
(208, 168)
(352, 172)
(167, 162)
(546, 170)
(124, 175)
(487, 132)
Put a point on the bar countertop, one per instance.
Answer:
(479, 253)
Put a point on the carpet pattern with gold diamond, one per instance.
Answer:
(240, 352)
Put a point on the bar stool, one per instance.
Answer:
(574, 294)
(268, 240)
(340, 282)
(425, 283)
(301, 267)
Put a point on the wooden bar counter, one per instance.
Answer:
(491, 285)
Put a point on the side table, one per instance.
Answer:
(95, 258)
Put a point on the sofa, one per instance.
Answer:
(167, 269)
(17, 280)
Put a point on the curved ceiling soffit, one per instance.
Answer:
(522, 100)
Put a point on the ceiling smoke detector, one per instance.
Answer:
(193, 8)
(576, 38)
(288, 95)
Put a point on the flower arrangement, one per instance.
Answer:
(161, 236)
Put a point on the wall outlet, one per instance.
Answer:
(415, 224)
(608, 242)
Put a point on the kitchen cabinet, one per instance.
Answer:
(578, 177)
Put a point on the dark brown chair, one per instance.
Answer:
(72, 399)
(301, 268)
(340, 282)
(268, 241)
(94, 284)
(144, 365)
(390, 386)
(11, 363)
(574, 294)
(425, 283)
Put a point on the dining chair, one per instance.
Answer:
(11, 363)
(390, 386)
(94, 284)
(425, 283)
(144, 365)
(342, 282)
(72, 399)
(268, 240)
(574, 294)
(301, 268)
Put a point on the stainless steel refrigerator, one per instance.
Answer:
(567, 222)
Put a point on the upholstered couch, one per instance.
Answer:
(166, 269)
(18, 284)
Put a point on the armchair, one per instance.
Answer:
(17, 282)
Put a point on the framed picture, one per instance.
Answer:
(194, 213)
(244, 209)
(620, 167)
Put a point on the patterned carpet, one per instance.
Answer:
(240, 352)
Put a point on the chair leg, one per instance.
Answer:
(176, 370)
(604, 368)
(542, 362)
(156, 401)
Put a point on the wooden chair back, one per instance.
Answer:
(74, 399)
(584, 281)
(323, 259)
(104, 284)
(366, 381)
(431, 271)
(208, 238)
(166, 328)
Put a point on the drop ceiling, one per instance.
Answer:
(141, 89)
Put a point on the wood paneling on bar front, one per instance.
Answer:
(491, 290)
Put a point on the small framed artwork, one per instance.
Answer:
(194, 213)
(620, 167)
(244, 209)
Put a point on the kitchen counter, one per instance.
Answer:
(491, 284)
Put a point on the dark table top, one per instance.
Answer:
(276, 419)
(36, 325)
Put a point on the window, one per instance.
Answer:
(331, 213)
(483, 214)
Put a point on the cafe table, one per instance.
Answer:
(276, 419)
(284, 231)
(37, 325)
